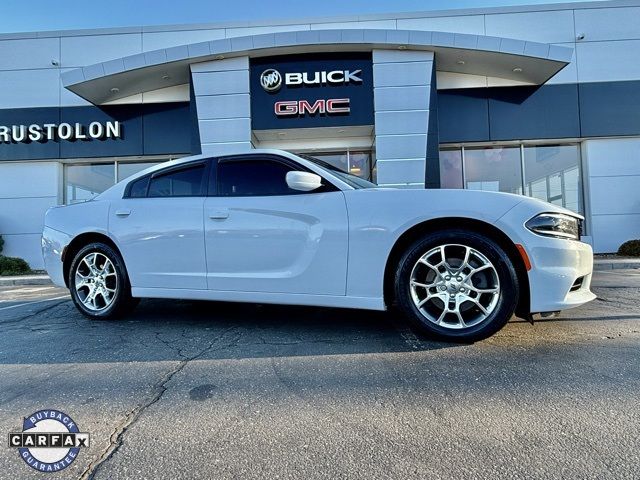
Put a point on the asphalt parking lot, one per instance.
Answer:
(214, 390)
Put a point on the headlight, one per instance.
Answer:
(555, 225)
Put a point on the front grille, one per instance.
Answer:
(577, 284)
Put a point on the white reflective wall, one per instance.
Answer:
(613, 169)
(30, 66)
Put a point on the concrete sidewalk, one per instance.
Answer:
(599, 264)
(25, 280)
(615, 263)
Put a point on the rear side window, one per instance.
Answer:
(253, 178)
(185, 182)
(138, 188)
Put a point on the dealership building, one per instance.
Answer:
(542, 101)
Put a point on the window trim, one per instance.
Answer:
(206, 163)
(327, 185)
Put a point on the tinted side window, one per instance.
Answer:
(179, 183)
(253, 177)
(138, 189)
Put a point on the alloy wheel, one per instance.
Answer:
(455, 286)
(96, 281)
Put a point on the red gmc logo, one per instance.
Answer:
(303, 107)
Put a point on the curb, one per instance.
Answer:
(603, 265)
(25, 280)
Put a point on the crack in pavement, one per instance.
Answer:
(116, 439)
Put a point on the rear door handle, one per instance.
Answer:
(123, 213)
(219, 214)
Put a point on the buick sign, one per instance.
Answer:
(271, 80)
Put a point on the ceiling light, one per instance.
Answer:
(220, 57)
(460, 62)
(114, 90)
(402, 47)
(517, 70)
(166, 77)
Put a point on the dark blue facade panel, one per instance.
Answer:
(131, 140)
(463, 115)
(30, 149)
(545, 112)
(610, 108)
(145, 129)
(168, 129)
(534, 112)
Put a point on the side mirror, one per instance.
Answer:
(303, 181)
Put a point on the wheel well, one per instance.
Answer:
(79, 242)
(477, 226)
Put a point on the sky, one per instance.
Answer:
(40, 15)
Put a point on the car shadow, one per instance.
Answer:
(159, 330)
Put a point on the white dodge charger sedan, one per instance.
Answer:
(269, 226)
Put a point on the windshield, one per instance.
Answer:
(351, 180)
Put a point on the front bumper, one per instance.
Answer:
(560, 276)
(53, 245)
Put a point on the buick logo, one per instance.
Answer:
(271, 80)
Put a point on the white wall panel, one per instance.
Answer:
(608, 61)
(548, 27)
(26, 247)
(29, 88)
(224, 106)
(28, 179)
(613, 169)
(401, 171)
(611, 231)
(242, 31)
(614, 157)
(87, 50)
(382, 24)
(568, 74)
(221, 83)
(29, 53)
(615, 195)
(157, 40)
(608, 23)
(24, 215)
(457, 24)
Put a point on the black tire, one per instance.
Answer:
(503, 308)
(121, 301)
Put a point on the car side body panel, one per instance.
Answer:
(379, 217)
(277, 244)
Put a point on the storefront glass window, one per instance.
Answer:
(451, 168)
(83, 182)
(125, 170)
(496, 169)
(548, 172)
(552, 174)
(356, 163)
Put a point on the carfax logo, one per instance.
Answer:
(50, 440)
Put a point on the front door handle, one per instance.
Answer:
(219, 214)
(123, 213)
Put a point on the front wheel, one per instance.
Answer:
(457, 285)
(98, 282)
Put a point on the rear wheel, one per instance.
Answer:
(457, 285)
(98, 282)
